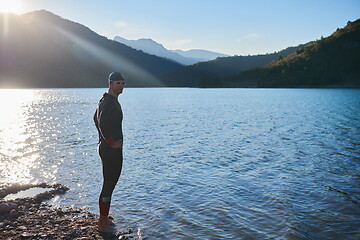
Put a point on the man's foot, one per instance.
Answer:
(110, 222)
(105, 225)
(108, 236)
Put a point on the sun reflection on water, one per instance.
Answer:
(19, 151)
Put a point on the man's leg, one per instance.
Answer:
(112, 165)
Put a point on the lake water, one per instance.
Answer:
(199, 163)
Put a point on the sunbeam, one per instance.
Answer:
(114, 61)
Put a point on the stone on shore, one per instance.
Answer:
(6, 207)
(31, 218)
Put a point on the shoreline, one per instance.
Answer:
(32, 218)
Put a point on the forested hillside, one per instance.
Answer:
(333, 61)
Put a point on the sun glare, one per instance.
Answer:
(10, 6)
(17, 155)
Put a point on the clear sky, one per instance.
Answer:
(234, 27)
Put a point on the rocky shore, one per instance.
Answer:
(31, 218)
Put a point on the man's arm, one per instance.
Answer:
(106, 128)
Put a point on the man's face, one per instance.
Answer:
(118, 86)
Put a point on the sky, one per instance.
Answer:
(233, 27)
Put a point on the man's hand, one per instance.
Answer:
(117, 144)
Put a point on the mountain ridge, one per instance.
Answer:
(194, 75)
(62, 53)
(201, 54)
(332, 61)
(188, 57)
(150, 46)
(43, 50)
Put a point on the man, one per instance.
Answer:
(108, 120)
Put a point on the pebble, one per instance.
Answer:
(14, 213)
(31, 219)
(6, 207)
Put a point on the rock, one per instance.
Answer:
(6, 207)
(2, 193)
(62, 191)
(42, 221)
(28, 205)
(42, 235)
(8, 227)
(14, 213)
(26, 235)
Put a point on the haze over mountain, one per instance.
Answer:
(184, 57)
(200, 54)
(41, 49)
(193, 76)
(151, 47)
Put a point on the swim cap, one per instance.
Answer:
(115, 76)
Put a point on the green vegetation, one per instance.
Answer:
(207, 74)
(333, 61)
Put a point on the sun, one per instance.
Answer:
(10, 6)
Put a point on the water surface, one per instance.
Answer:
(199, 163)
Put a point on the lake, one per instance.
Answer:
(199, 163)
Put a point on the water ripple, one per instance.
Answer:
(200, 164)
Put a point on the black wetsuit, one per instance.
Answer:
(108, 120)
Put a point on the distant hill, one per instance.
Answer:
(194, 75)
(333, 61)
(184, 57)
(201, 55)
(151, 47)
(42, 50)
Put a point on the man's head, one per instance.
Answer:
(116, 82)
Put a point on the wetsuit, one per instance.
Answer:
(108, 120)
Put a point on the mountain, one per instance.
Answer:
(42, 50)
(201, 55)
(329, 62)
(151, 47)
(194, 75)
(184, 57)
